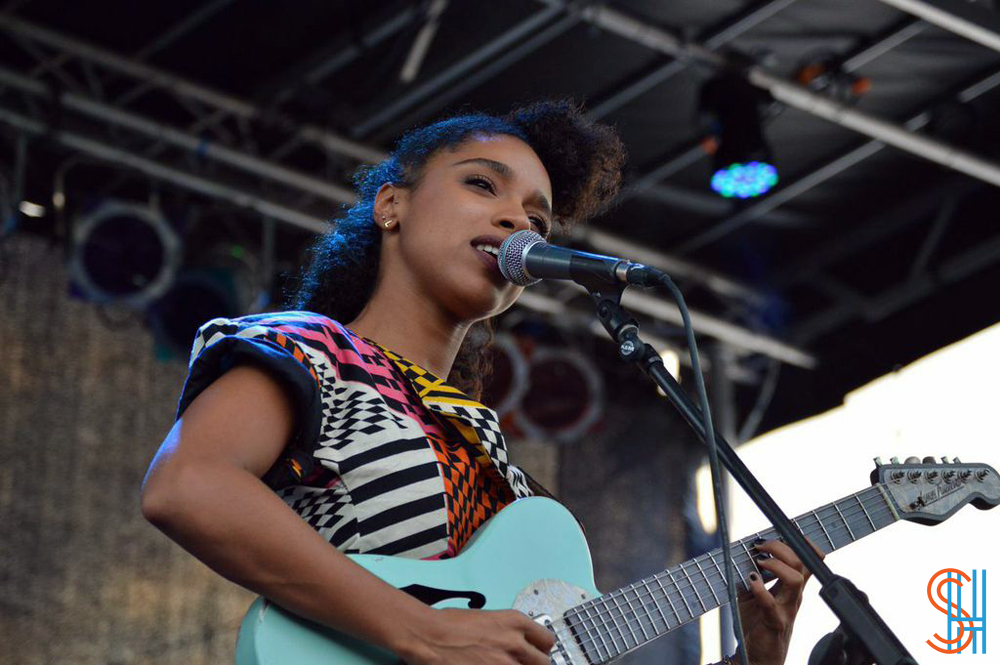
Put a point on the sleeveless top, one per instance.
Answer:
(386, 457)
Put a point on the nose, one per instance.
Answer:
(513, 219)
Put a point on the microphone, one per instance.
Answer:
(525, 259)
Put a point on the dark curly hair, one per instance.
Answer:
(584, 161)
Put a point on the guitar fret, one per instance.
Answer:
(645, 611)
(577, 621)
(656, 604)
(710, 587)
(751, 560)
(825, 532)
(865, 511)
(618, 627)
(666, 594)
(694, 586)
(592, 633)
(628, 624)
(849, 531)
(722, 575)
(681, 594)
(638, 612)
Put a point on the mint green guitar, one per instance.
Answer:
(539, 563)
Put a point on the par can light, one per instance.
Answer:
(124, 253)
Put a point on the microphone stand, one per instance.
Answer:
(862, 638)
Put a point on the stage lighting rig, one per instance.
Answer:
(224, 282)
(731, 110)
(124, 253)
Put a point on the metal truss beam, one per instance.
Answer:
(498, 47)
(104, 152)
(885, 224)
(962, 18)
(825, 172)
(740, 338)
(328, 63)
(796, 96)
(693, 151)
(184, 88)
(188, 142)
(171, 35)
(731, 30)
(747, 341)
(243, 109)
(913, 289)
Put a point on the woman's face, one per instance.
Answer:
(480, 192)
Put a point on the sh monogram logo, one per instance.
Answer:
(958, 615)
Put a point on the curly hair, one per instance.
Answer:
(584, 161)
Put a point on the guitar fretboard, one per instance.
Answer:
(618, 622)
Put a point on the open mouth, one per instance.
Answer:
(490, 257)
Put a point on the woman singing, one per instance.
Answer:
(353, 424)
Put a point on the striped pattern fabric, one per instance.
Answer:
(387, 458)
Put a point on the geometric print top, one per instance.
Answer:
(386, 458)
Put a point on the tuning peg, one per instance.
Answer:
(878, 462)
(912, 459)
(981, 474)
(930, 460)
(944, 459)
(894, 460)
(956, 461)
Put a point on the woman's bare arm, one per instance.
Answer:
(203, 489)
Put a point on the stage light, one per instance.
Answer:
(197, 296)
(745, 180)
(30, 209)
(224, 283)
(731, 108)
(124, 253)
(565, 397)
(508, 381)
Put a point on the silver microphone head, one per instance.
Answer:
(512, 254)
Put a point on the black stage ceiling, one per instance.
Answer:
(863, 258)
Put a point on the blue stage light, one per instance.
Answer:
(745, 181)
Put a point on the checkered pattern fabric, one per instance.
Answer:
(387, 458)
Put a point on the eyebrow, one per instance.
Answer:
(505, 171)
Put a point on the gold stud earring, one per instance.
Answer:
(389, 223)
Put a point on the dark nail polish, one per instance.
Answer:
(762, 557)
(753, 577)
(758, 540)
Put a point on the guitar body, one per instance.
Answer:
(531, 556)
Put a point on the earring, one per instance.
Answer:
(389, 223)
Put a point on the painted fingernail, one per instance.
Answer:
(758, 540)
(762, 557)
(753, 577)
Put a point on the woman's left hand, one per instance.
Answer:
(768, 615)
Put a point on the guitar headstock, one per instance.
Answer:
(927, 492)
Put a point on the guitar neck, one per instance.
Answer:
(615, 623)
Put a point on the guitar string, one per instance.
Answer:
(850, 513)
(600, 609)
